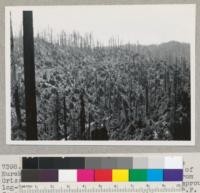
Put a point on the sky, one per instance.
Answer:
(146, 24)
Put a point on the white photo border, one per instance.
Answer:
(9, 141)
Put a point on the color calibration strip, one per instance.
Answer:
(95, 169)
(102, 175)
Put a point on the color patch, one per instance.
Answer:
(138, 175)
(39, 175)
(173, 175)
(67, 175)
(61, 163)
(30, 163)
(86, 175)
(103, 175)
(173, 162)
(52, 163)
(120, 175)
(48, 175)
(29, 175)
(155, 175)
(108, 162)
(92, 162)
(124, 163)
(156, 163)
(140, 163)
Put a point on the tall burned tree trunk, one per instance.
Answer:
(15, 82)
(105, 94)
(175, 89)
(57, 113)
(147, 98)
(29, 76)
(109, 96)
(89, 125)
(175, 131)
(136, 109)
(130, 92)
(17, 107)
(82, 117)
(165, 78)
(65, 117)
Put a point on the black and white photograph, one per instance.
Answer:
(100, 74)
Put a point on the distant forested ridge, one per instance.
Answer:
(87, 91)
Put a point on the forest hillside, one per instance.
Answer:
(114, 92)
